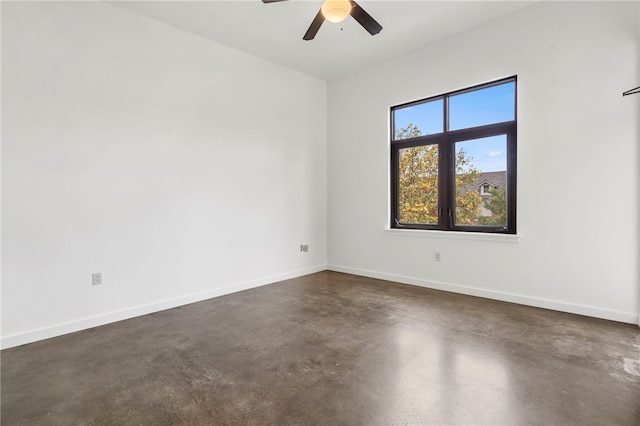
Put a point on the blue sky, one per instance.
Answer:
(492, 105)
(489, 154)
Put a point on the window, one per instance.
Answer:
(453, 161)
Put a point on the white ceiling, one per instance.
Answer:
(274, 31)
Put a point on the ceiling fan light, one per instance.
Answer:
(336, 10)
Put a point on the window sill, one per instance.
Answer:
(449, 235)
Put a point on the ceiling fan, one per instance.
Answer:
(338, 11)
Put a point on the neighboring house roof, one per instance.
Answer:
(496, 179)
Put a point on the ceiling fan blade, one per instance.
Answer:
(314, 27)
(271, 1)
(365, 19)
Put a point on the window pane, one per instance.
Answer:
(418, 120)
(418, 185)
(485, 106)
(481, 182)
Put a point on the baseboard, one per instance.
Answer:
(98, 320)
(590, 311)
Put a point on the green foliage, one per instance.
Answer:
(497, 204)
(467, 202)
(411, 131)
(418, 180)
(418, 195)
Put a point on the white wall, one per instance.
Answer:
(179, 168)
(578, 161)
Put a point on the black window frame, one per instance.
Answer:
(446, 163)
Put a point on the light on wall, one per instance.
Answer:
(336, 10)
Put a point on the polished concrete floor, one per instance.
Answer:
(332, 349)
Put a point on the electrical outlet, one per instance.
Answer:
(304, 247)
(436, 256)
(96, 278)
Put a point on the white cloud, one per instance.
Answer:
(494, 154)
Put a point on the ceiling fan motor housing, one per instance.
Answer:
(336, 10)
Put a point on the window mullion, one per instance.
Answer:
(444, 166)
(448, 179)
